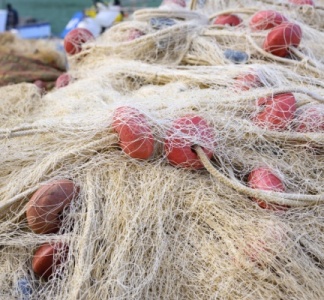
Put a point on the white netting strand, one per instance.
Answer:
(183, 161)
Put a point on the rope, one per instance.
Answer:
(305, 61)
(275, 197)
(23, 133)
(304, 58)
(296, 90)
(193, 4)
(145, 14)
(5, 205)
(250, 10)
(280, 59)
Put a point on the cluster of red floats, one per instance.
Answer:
(44, 215)
(282, 34)
(73, 43)
(136, 137)
(279, 112)
(275, 112)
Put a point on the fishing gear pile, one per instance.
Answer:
(181, 156)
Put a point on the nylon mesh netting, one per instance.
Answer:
(190, 171)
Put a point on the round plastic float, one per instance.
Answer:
(276, 112)
(264, 179)
(185, 133)
(47, 258)
(247, 81)
(266, 19)
(281, 37)
(302, 2)
(135, 134)
(309, 118)
(45, 207)
(231, 20)
(74, 40)
(63, 80)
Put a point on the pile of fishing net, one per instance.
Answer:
(23, 60)
(164, 168)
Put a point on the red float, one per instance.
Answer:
(134, 34)
(264, 179)
(185, 133)
(40, 84)
(74, 40)
(231, 20)
(63, 80)
(281, 37)
(266, 19)
(302, 2)
(47, 258)
(247, 81)
(276, 111)
(310, 118)
(46, 206)
(257, 248)
(135, 134)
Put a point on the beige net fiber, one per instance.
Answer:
(183, 161)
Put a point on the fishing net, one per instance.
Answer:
(180, 172)
(30, 61)
(46, 51)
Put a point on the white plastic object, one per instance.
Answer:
(92, 25)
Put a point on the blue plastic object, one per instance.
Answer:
(24, 288)
(161, 23)
(73, 23)
(237, 57)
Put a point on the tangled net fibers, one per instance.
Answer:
(42, 50)
(184, 174)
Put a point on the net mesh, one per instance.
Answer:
(195, 176)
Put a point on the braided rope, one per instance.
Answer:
(276, 197)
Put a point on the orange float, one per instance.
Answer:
(135, 134)
(281, 37)
(247, 81)
(302, 2)
(63, 80)
(40, 84)
(134, 34)
(258, 247)
(47, 258)
(45, 207)
(276, 112)
(266, 19)
(309, 118)
(74, 40)
(264, 179)
(231, 20)
(185, 133)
